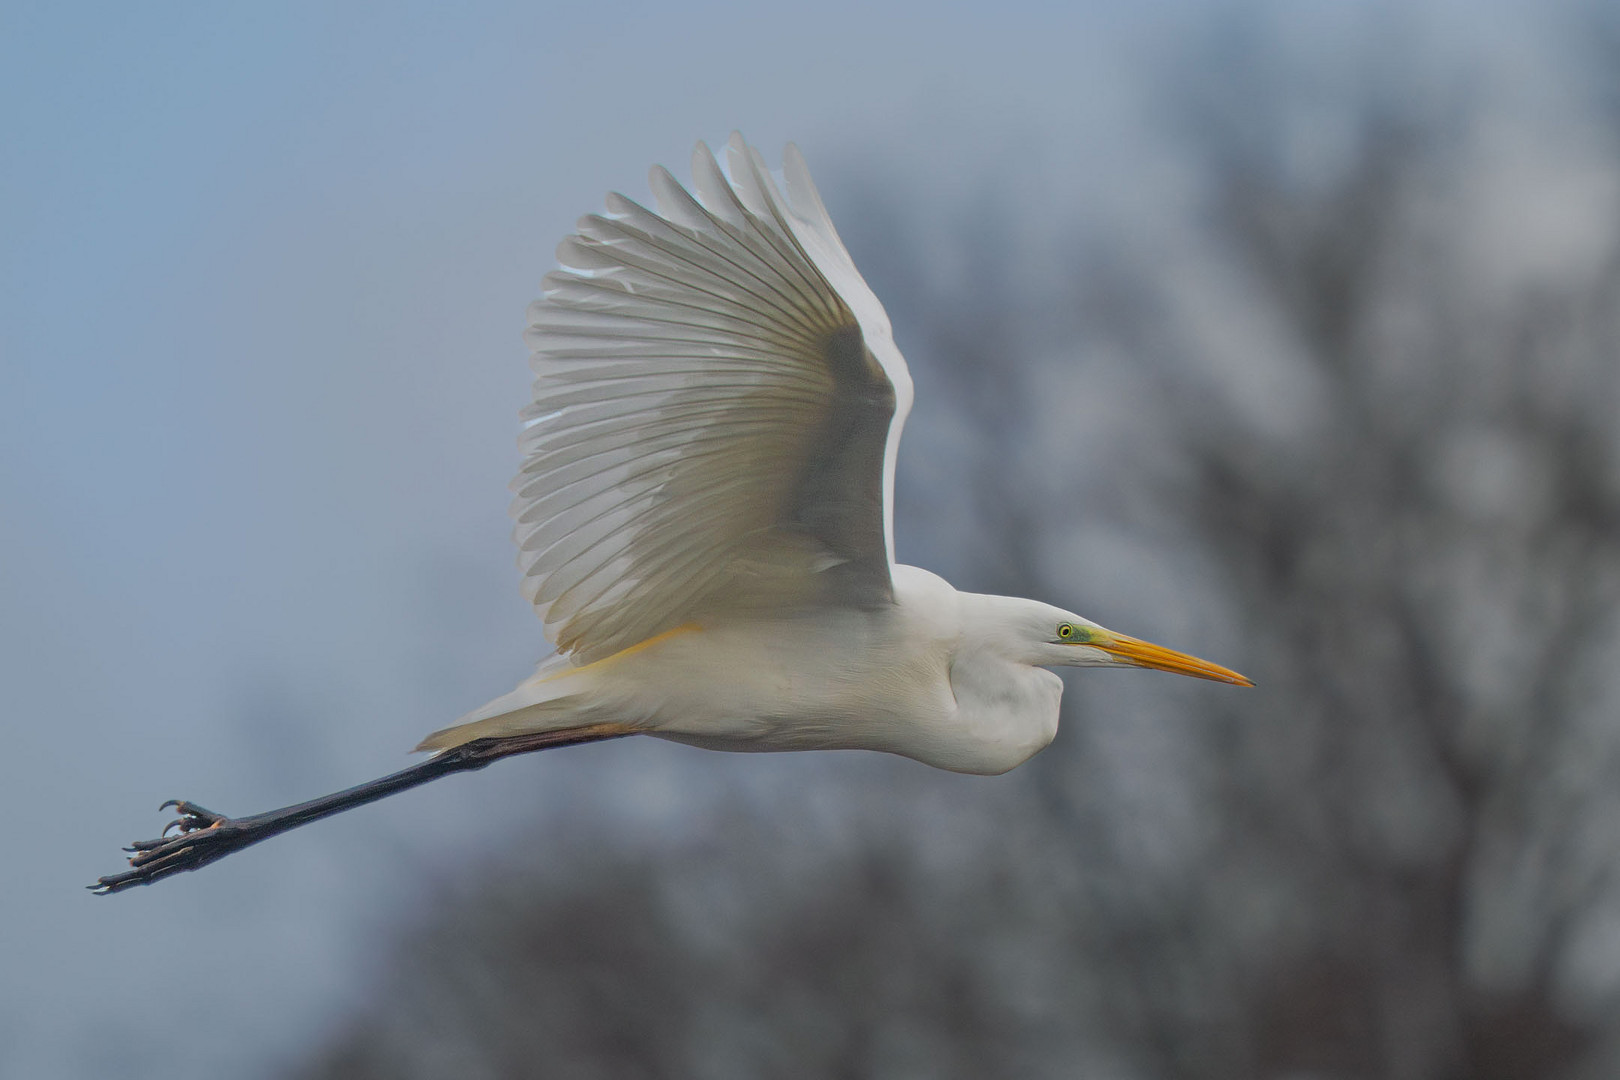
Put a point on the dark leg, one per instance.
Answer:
(202, 836)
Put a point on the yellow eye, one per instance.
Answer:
(1065, 631)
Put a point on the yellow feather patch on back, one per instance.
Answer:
(684, 628)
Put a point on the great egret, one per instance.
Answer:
(705, 520)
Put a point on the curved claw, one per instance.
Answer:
(195, 839)
(192, 817)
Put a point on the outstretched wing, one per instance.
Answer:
(716, 411)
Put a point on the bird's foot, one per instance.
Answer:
(193, 840)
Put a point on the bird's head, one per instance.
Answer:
(1051, 637)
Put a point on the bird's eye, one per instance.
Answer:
(1065, 631)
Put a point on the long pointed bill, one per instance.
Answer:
(1140, 653)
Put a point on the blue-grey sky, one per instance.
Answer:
(261, 289)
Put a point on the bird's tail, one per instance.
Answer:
(547, 701)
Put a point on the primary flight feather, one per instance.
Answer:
(705, 520)
(712, 421)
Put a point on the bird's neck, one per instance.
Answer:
(1008, 702)
(1010, 707)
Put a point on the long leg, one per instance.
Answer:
(202, 836)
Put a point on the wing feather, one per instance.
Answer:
(717, 403)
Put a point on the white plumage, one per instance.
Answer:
(705, 508)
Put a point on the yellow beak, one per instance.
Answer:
(1140, 653)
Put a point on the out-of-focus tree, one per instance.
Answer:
(1371, 429)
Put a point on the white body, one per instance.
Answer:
(914, 678)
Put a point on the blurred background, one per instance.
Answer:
(1296, 328)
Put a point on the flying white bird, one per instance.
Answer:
(705, 520)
